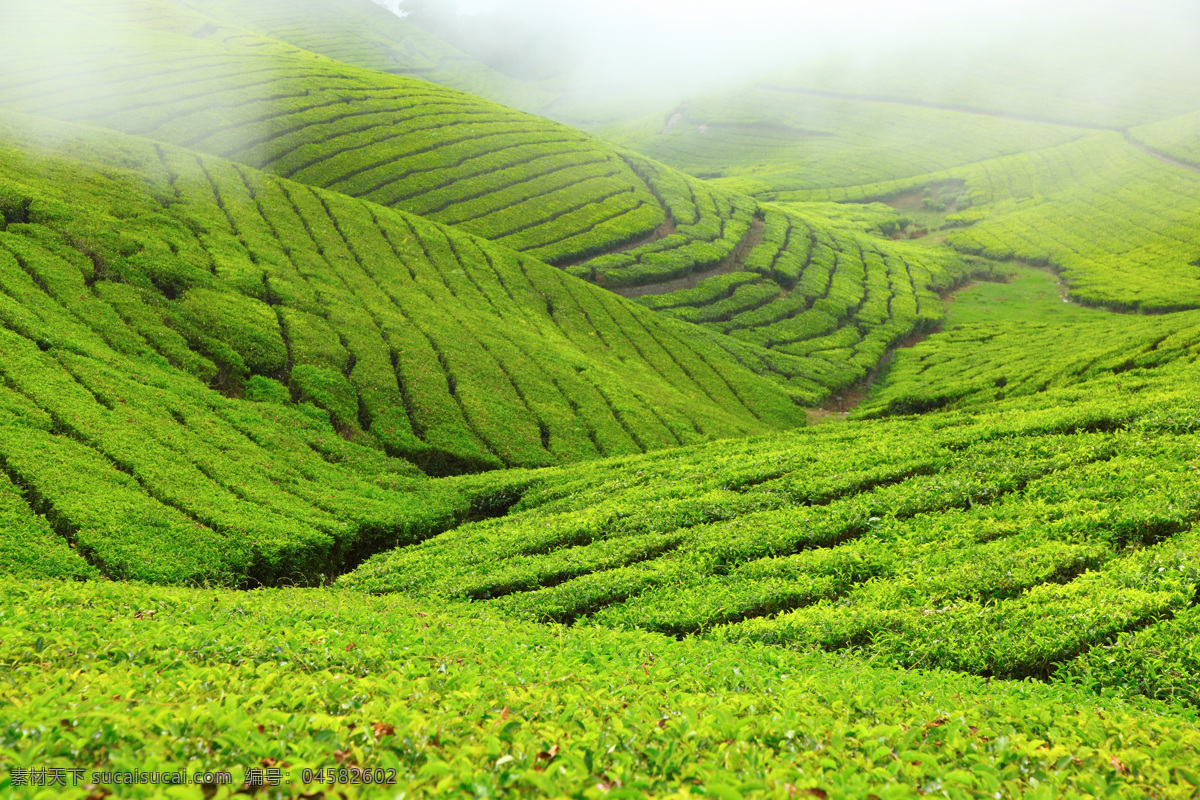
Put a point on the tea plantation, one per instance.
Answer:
(362, 437)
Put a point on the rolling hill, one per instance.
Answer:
(146, 289)
(362, 437)
(538, 187)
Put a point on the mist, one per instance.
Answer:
(664, 51)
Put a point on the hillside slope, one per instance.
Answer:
(770, 138)
(142, 286)
(1016, 542)
(551, 192)
(157, 69)
(1116, 220)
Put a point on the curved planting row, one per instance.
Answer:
(973, 365)
(176, 76)
(988, 544)
(146, 294)
(1118, 222)
(826, 302)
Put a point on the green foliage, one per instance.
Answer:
(976, 363)
(112, 677)
(1116, 222)
(1006, 543)
(213, 377)
(249, 326)
(529, 183)
(327, 389)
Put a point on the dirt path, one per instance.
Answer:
(1166, 159)
(733, 263)
(872, 98)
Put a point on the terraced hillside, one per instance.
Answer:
(1174, 138)
(142, 286)
(1035, 162)
(522, 181)
(550, 192)
(975, 364)
(818, 303)
(1019, 542)
(1116, 220)
(522, 481)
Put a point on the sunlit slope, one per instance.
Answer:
(765, 139)
(973, 365)
(365, 34)
(160, 70)
(460, 703)
(1009, 543)
(1122, 225)
(142, 287)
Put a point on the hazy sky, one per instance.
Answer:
(697, 45)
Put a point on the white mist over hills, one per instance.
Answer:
(671, 48)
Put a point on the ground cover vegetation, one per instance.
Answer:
(365, 34)
(170, 320)
(458, 702)
(529, 408)
(821, 316)
(990, 543)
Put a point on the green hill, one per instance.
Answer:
(213, 308)
(184, 79)
(769, 139)
(1118, 222)
(365, 34)
(504, 426)
(1072, 156)
(985, 543)
(538, 187)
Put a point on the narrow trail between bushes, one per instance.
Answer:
(876, 98)
(733, 263)
(1164, 158)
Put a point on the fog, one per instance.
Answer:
(671, 49)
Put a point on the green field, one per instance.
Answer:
(356, 429)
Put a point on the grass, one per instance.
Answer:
(1025, 295)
